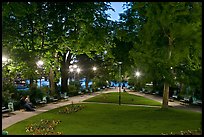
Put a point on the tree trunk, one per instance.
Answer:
(64, 77)
(31, 82)
(165, 95)
(51, 81)
(66, 58)
(166, 84)
(87, 82)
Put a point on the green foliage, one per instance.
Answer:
(36, 93)
(32, 31)
(73, 88)
(98, 83)
(165, 38)
(45, 90)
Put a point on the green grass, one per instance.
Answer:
(96, 119)
(113, 97)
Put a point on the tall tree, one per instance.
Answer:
(167, 38)
(60, 30)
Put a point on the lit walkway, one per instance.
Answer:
(175, 104)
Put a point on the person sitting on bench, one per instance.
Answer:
(26, 105)
(27, 99)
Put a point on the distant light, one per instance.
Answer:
(148, 84)
(71, 69)
(78, 70)
(74, 66)
(94, 68)
(171, 67)
(4, 59)
(119, 62)
(137, 74)
(40, 63)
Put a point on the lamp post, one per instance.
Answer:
(137, 74)
(40, 65)
(74, 69)
(119, 63)
(78, 70)
(94, 69)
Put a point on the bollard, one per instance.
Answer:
(10, 106)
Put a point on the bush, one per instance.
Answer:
(8, 89)
(35, 93)
(73, 90)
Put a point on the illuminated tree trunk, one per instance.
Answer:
(66, 58)
(165, 95)
(166, 83)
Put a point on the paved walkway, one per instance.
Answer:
(17, 116)
(175, 103)
(20, 115)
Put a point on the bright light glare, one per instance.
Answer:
(137, 74)
(74, 66)
(94, 68)
(40, 63)
(78, 70)
(4, 59)
(71, 69)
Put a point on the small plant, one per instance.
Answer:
(44, 127)
(71, 108)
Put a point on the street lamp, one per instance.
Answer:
(119, 63)
(93, 81)
(137, 74)
(78, 70)
(94, 68)
(74, 68)
(40, 65)
(4, 59)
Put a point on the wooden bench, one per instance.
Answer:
(4, 109)
(39, 101)
(184, 101)
(64, 96)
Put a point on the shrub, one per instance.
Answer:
(35, 93)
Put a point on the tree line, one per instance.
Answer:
(162, 39)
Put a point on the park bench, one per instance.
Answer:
(196, 101)
(39, 101)
(4, 109)
(64, 96)
(53, 99)
(185, 101)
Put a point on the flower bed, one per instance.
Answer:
(71, 108)
(44, 127)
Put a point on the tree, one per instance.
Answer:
(166, 38)
(56, 30)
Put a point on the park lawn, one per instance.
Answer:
(109, 119)
(126, 98)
